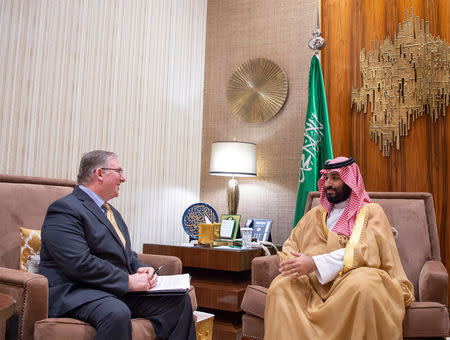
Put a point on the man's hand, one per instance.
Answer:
(144, 279)
(302, 264)
(138, 282)
(146, 270)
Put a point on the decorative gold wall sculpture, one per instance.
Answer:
(257, 90)
(402, 80)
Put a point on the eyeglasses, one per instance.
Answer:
(118, 170)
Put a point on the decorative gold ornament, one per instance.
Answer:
(257, 90)
(402, 80)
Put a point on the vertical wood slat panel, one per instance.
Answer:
(422, 163)
(120, 75)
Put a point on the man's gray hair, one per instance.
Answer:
(90, 161)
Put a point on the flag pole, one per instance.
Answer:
(317, 147)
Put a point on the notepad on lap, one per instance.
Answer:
(172, 284)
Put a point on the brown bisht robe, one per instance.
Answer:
(366, 301)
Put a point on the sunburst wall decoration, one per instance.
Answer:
(401, 80)
(257, 90)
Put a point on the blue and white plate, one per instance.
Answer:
(194, 215)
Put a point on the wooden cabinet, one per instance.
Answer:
(220, 278)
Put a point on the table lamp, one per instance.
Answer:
(234, 159)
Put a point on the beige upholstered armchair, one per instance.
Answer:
(413, 219)
(24, 202)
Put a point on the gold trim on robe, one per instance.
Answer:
(354, 239)
(324, 216)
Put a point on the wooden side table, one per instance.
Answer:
(7, 305)
(220, 278)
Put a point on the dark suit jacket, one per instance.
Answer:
(81, 254)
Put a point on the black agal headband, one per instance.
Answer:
(329, 165)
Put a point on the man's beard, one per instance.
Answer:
(340, 196)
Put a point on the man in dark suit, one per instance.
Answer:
(87, 258)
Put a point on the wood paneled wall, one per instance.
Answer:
(422, 163)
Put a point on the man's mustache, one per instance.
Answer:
(330, 188)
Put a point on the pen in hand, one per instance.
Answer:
(158, 269)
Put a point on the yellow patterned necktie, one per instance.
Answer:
(110, 216)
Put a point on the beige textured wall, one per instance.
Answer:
(238, 30)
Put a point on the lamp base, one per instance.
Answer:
(232, 196)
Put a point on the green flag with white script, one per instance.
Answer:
(317, 146)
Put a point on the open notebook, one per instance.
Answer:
(172, 284)
(169, 285)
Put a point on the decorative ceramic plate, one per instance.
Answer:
(196, 214)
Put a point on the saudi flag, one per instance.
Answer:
(316, 140)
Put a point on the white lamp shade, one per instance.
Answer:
(236, 159)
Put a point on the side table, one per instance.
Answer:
(7, 305)
(220, 278)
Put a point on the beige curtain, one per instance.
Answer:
(121, 75)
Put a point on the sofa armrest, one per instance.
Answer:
(264, 270)
(193, 298)
(31, 294)
(433, 282)
(254, 300)
(172, 264)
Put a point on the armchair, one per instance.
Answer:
(24, 202)
(413, 217)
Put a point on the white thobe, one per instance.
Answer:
(329, 265)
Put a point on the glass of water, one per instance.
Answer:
(246, 237)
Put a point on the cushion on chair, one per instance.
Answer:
(142, 329)
(254, 300)
(30, 244)
(63, 328)
(425, 319)
(72, 329)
